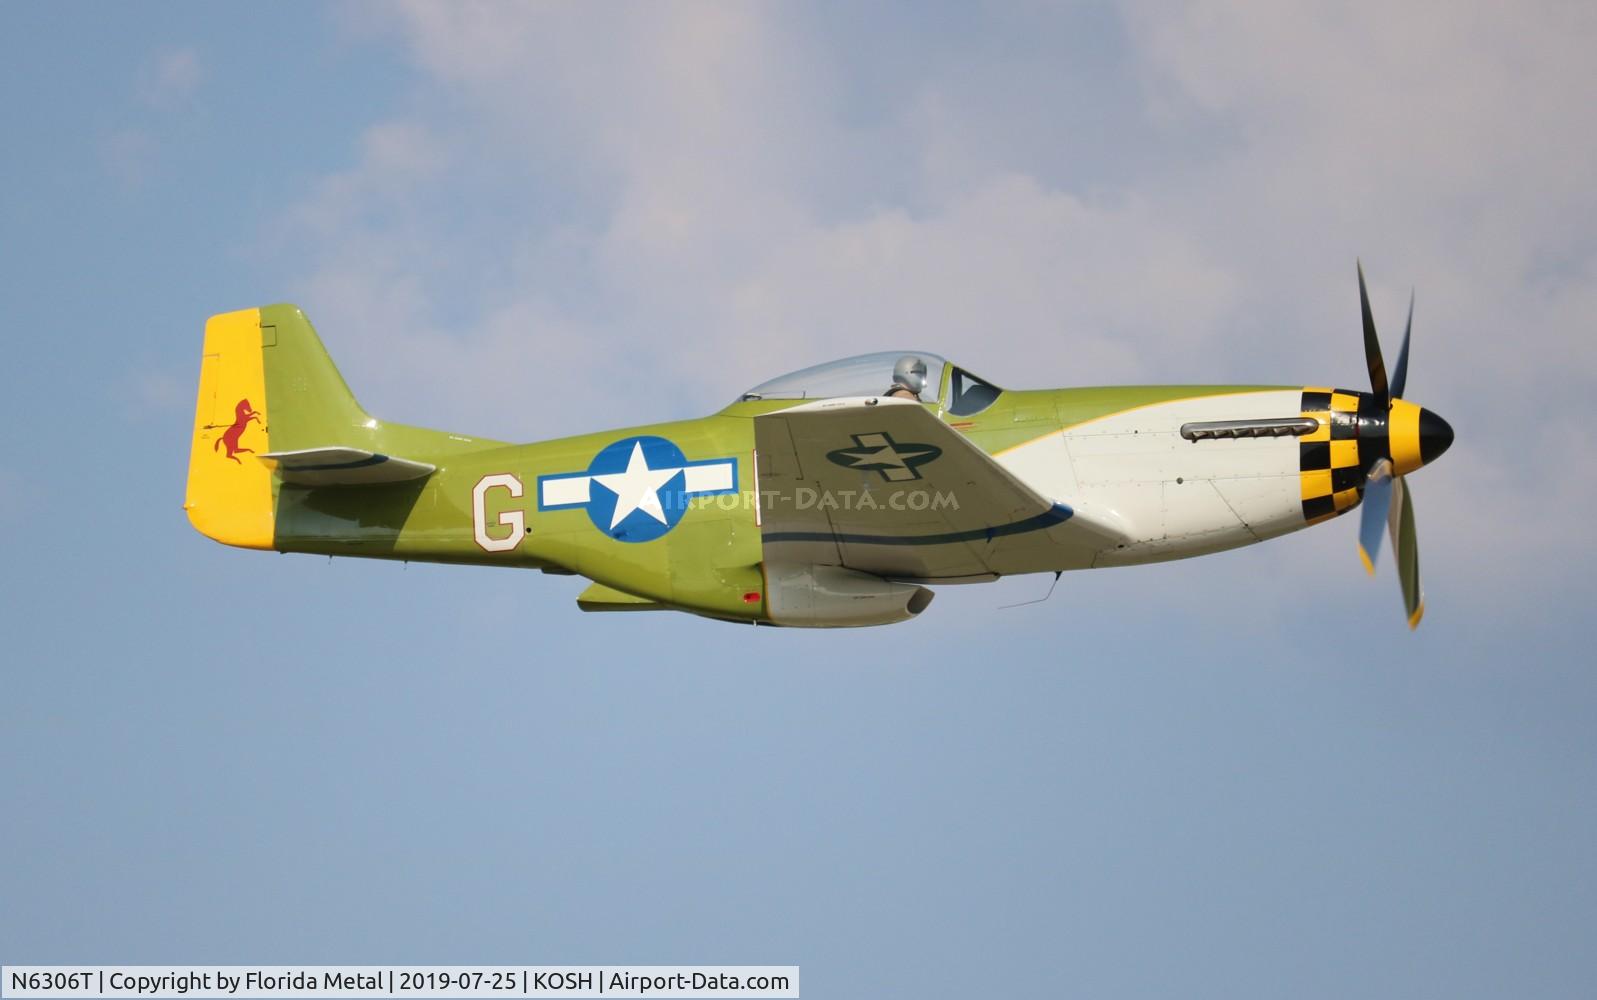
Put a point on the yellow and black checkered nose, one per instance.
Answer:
(1354, 433)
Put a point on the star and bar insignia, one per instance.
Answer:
(876, 451)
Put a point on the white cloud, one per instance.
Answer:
(1022, 282)
(1440, 139)
(167, 81)
(703, 132)
(170, 79)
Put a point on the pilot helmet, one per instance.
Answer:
(910, 372)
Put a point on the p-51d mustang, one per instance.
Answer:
(828, 497)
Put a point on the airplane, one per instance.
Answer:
(829, 497)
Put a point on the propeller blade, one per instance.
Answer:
(1400, 376)
(1405, 546)
(1372, 347)
(1373, 518)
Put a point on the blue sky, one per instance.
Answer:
(1236, 776)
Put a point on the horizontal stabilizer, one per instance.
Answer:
(339, 466)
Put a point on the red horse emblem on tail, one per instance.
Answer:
(243, 413)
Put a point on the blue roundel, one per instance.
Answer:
(638, 488)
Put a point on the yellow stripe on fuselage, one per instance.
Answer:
(229, 489)
(1067, 426)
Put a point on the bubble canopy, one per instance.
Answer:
(864, 375)
(873, 375)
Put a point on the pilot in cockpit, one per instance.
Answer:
(909, 378)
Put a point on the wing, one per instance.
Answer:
(338, 466)
(882, 486)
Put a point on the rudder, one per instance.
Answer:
(229, 495)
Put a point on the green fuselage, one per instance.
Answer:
(709, 563)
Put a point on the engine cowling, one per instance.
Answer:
(834, 597)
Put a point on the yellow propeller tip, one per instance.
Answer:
(1369, 566)
(1414, 619)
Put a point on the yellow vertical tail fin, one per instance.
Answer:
(229, 494)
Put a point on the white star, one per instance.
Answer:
(876, 456)
(638, 488)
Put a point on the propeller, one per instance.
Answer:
(1384, 393)
(1388, 509)
(1388, 503)
(1400, 523)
